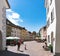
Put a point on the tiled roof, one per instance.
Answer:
(13, 25)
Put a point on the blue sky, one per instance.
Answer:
(30, 14)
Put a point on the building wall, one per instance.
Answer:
(51, 24)
(57, 2)
(15, 32)
(24, 34)
(43, 33)
(12, 30)
(3, 7)
(8, 30)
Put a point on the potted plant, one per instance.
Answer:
(50, 48)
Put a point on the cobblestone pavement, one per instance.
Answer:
(33, 49)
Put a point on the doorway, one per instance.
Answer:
(0, 40)
(52, 38)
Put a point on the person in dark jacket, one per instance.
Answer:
(18, 44)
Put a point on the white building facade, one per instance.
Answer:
(3, 6)
(53, 25)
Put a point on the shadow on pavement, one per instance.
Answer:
(9, 53)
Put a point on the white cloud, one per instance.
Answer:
(13, 16)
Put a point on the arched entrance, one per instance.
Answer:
(0, 40)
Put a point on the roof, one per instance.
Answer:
(8, 3)
(43, 28)
(13, 25)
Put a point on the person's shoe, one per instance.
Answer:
(20, 50)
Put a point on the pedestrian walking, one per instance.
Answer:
(18, 44)
(25, 47)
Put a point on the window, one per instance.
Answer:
(7, 22)
(48, 22)
(52, 34)
(48, 38)
(47, 10)
(50, 2)
(52, 16)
